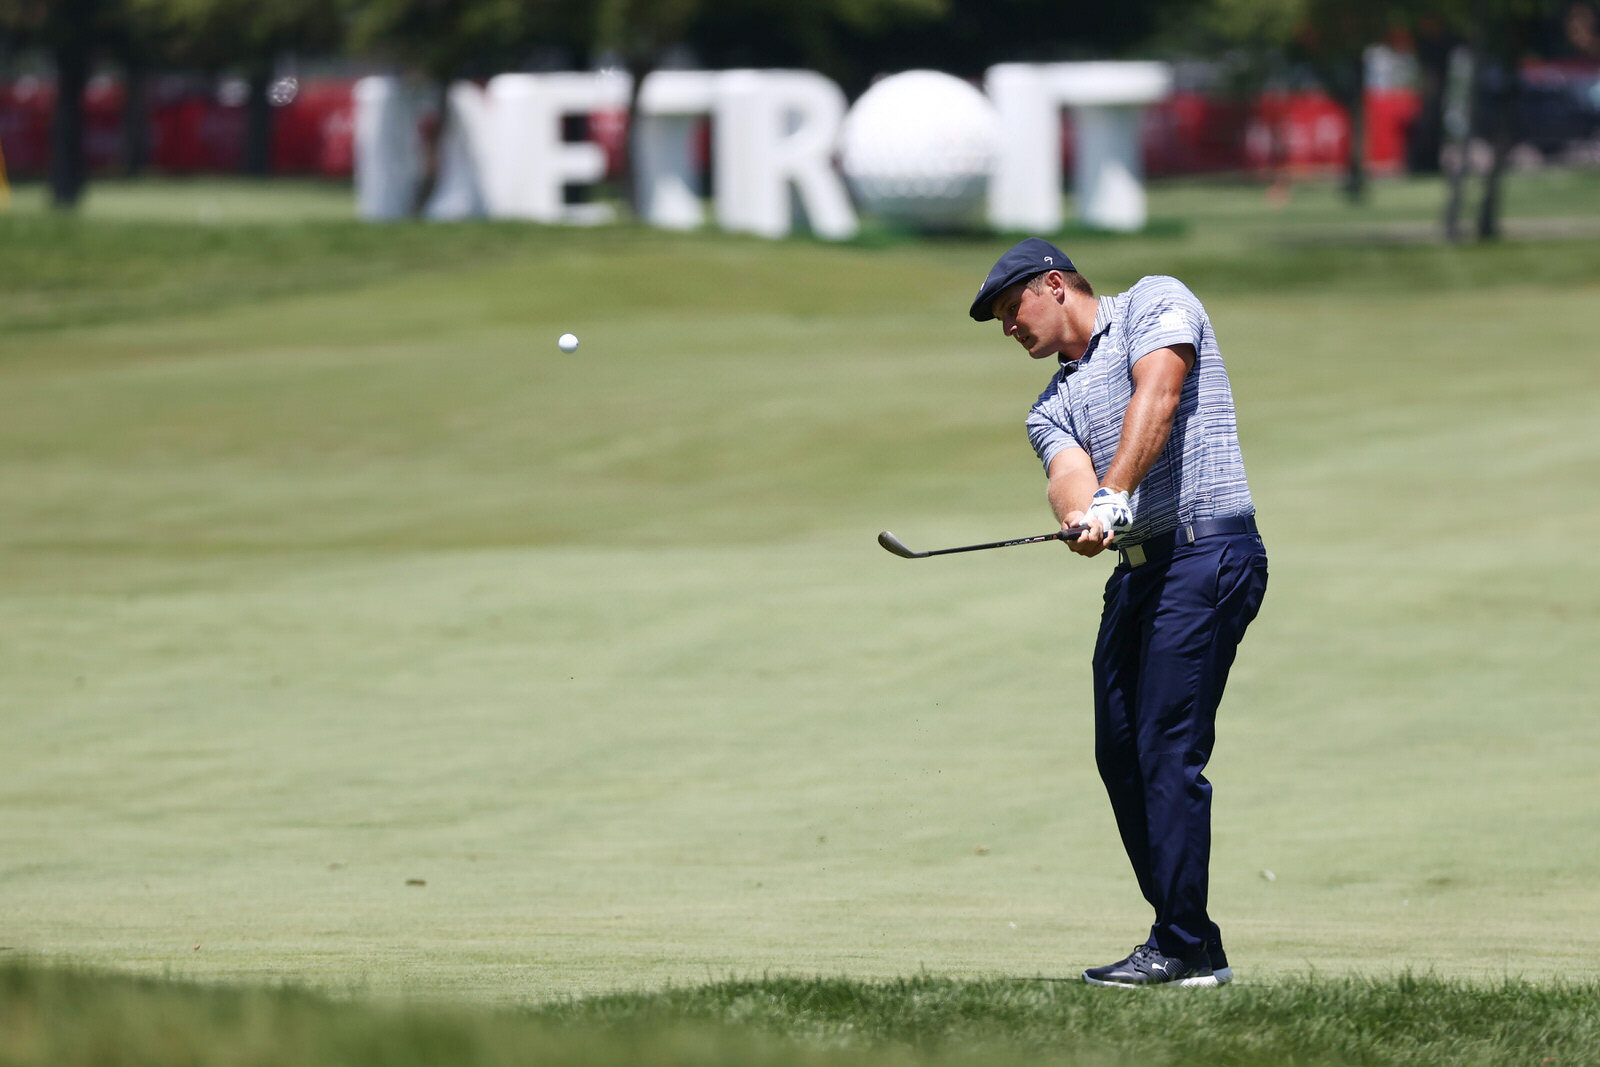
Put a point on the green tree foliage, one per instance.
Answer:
(1257, 23)
(854, 42)
(214, 32)
(448, 39)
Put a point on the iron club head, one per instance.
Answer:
(895, 545)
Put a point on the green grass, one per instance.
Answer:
(323, 572)
(1405, 1020)
(153, 249)
(66, 1019)
(207, 201)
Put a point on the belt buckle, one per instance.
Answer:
(1134, 556)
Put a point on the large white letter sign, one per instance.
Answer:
(670, 103)
(465, 151)
(388, 151)
(775, 133)
(528, 162)
(1105, 97)
(774, 129)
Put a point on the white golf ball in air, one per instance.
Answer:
(568, 342)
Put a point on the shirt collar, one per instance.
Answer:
(1103, 318)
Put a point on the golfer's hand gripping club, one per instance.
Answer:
(1111, 509)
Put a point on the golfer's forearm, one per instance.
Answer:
(1072, 485)
(1145, 429)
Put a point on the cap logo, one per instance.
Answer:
(1047, 259)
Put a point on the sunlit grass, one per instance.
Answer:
(323, 573)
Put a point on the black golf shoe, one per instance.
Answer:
(1149, 967)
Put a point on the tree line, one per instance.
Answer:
(849, 40)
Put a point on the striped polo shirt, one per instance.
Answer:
(1200, 472)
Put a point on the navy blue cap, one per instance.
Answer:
(1022, 261)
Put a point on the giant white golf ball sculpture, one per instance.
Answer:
(917, 149)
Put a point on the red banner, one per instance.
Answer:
(1300, 133)
(190, 130)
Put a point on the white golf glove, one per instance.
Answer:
(1111, 509)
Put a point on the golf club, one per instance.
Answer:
(898, 547)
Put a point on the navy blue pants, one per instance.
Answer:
(1167, 640)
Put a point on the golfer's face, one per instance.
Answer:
(1032, 318)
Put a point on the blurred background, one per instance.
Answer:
(1266, 90)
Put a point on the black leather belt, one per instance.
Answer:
(1161, 546)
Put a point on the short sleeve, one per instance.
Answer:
(1161, 312)
(1050, 424)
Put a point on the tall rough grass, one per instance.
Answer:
(73, 1018)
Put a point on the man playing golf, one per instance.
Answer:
(1136, 431)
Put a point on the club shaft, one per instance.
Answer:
(1068, 534)
(992, 544)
